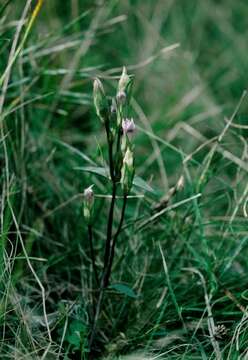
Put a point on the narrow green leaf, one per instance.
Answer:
(124, 289)
(95, 170)
(74, 150)
(139, 182)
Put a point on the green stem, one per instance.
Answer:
(97, 313)
(109, 250)
(92, 254)
(110, 152)
(106, 274)
(110, 226)
(112, 251)
(106, 261)
(111, 161)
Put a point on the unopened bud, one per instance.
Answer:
(128, 158)
(127, 171)
(124, 80)
(89, 194)
(124, 87)
(100, 101)
(128, 126)
(113, 108)
(121, 97)
(88, 204)
(113, 120)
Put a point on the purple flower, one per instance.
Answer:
(128, 126)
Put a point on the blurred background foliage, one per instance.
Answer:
(190, 64)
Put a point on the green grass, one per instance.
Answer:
(186, 266)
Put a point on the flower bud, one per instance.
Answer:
(128, 126)
(100, 101)
(128, 158)
(127, 171)
(112, 124)
(124, 80)
(124, 87)
(113, 108)
(121, 97)
(88, 204)
(124, 144)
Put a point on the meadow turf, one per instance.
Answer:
(179, 281)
